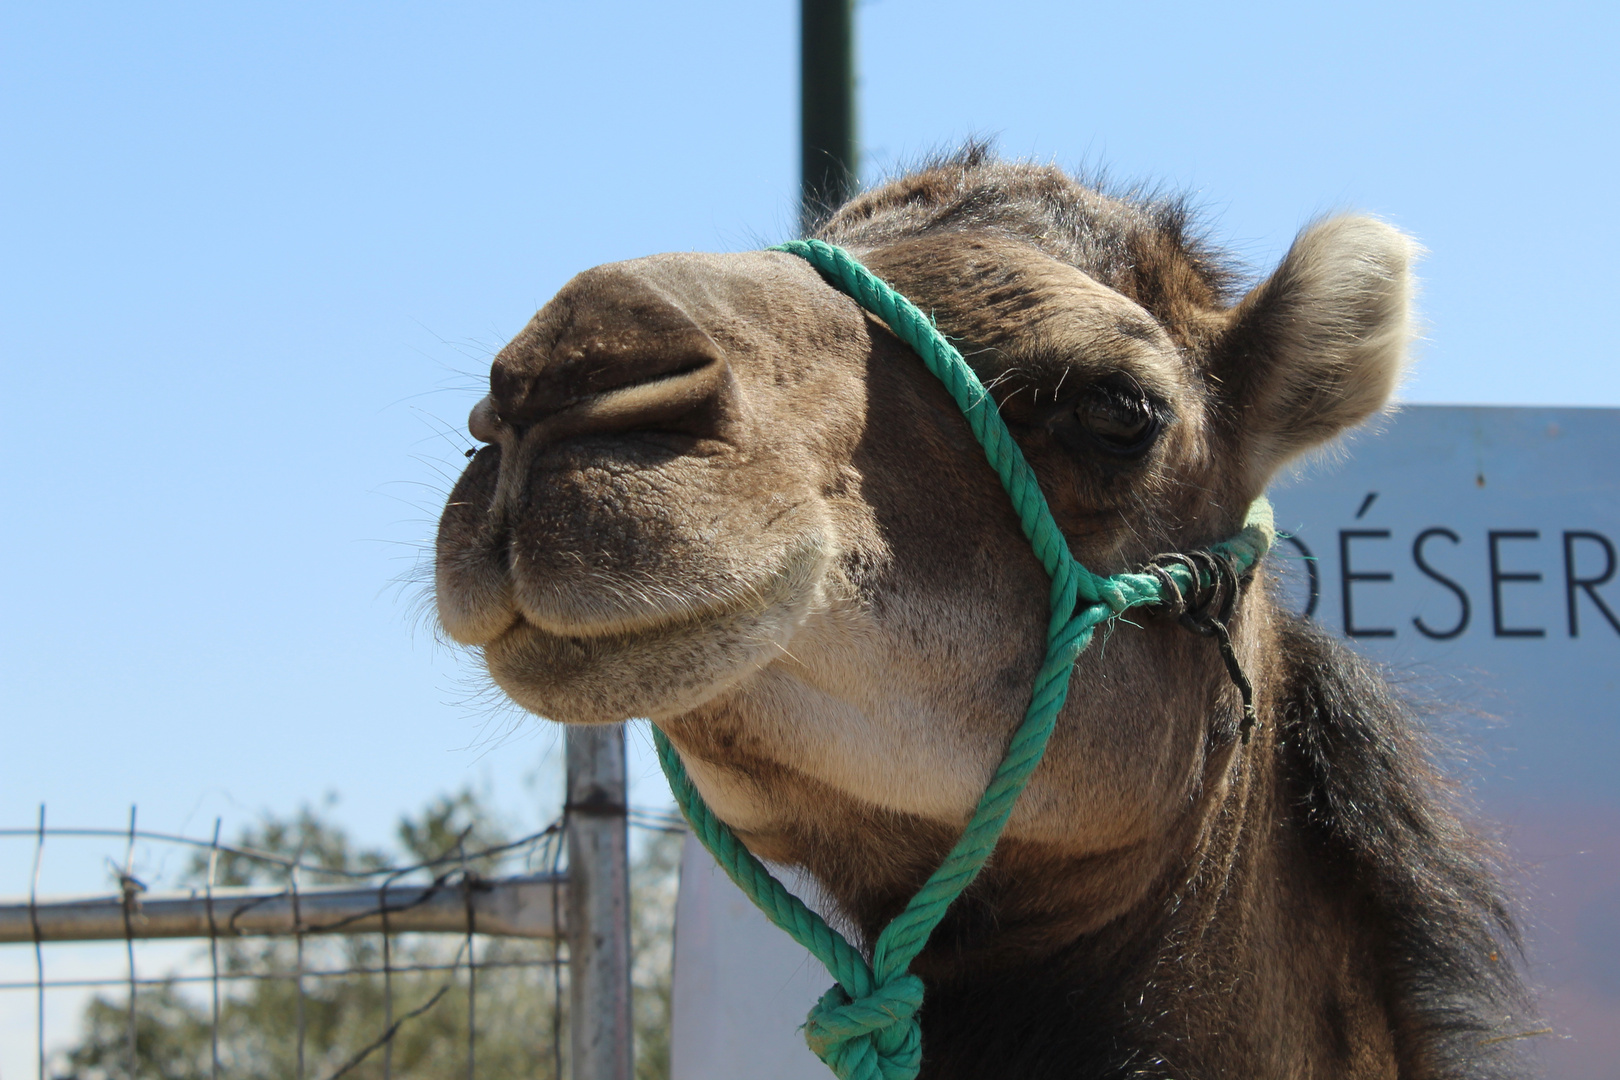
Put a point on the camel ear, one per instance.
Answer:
(1319, 346)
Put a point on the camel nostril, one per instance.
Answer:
(616, 352)
(629, 381)
(688, 400)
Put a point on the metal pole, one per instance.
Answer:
(828, 158)
(598, 904)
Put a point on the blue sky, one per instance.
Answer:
(257, 259)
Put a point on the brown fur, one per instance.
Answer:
(720, 495)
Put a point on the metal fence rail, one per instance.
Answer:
(529, 906)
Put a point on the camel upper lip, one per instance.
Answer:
(588, 617)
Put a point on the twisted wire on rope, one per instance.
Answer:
(865, 1027)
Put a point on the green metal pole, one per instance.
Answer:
(828, 158)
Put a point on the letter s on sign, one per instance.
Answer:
(1464, 609)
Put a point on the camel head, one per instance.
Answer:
(716, 493)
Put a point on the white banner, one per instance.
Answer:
(742, 987)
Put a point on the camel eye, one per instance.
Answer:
(1113, 418)
(1119, 420)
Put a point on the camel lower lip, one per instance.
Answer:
(585, 630)
(604, 678)
(586, 616)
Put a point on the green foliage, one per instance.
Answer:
(449, 824)
(171, 1039)
(306, 838)
(344, 1019)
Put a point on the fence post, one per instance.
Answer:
(828, 155)
(598, 904)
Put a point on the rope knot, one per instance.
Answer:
(1118, 599)
(875, 1037)
(1205, 607)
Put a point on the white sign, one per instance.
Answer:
(1474, 552)
(742, 987)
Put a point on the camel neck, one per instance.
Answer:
(1105, 1000)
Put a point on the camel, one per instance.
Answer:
(714, 492)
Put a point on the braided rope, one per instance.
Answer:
(865, 1027)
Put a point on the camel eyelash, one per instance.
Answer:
(1114, 417)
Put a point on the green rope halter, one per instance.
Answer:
(865, 1027)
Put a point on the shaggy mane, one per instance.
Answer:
(1363, 781)
(1137, 241)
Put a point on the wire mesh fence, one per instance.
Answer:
(300, 957)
